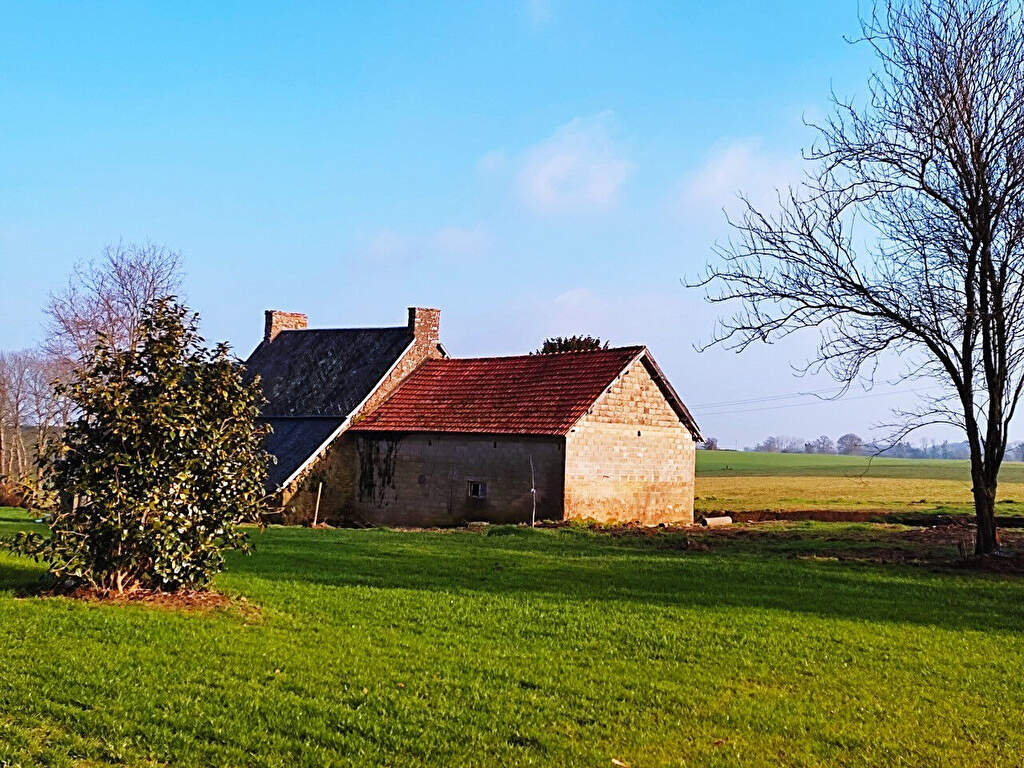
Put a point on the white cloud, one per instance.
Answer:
(577, 169)
(740, 166)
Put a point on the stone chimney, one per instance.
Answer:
(425, 325)
(275, 322)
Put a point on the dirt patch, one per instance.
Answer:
(822, 515)
(184, 600)
(863, 516)
(949, 544)
(1009, 560)
(1002, 562)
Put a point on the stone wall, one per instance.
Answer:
(337, 467)
(630, 458)
(336, 470)
(423, 479)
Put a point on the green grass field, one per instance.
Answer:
(744, 481)
(527, 647)
(751, 463)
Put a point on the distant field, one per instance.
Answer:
(745, 481)
(732, 463)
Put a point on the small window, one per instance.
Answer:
(477, 489)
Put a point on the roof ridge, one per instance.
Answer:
(353, 328)
(541, 355)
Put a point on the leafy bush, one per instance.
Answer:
(162, 465)
(577, 343)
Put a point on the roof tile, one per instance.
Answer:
(528, 394)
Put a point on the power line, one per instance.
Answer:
(731, 411)
(769, 397)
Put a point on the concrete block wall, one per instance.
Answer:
(630, 457)
(422, 479)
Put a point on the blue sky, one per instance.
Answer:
(533, 168)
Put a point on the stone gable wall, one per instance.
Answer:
(426, 346)
(337, 466)
(630, 458)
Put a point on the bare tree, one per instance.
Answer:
(908, 238)
(31, 411)
(49, 410)
(108, 295)
(14, 409)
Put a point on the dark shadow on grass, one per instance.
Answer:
(579, 567)
(19, 578)
(19, 518)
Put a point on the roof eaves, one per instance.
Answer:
(671, 395)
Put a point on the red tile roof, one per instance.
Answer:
(529, 394)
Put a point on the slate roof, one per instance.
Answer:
(528, 394)
(325, 372)
(293, 441)
(313, 380)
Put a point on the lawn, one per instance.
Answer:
(744, 481)
(757, 646)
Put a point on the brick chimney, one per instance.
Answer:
(276, 321)
(425, 325)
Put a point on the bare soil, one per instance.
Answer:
(188, 600)
(862, 516)
(947, 544)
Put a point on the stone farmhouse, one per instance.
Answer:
(381, 426)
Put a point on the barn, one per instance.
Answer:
(380, 426)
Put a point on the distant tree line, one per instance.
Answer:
(851, 444)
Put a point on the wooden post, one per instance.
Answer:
(316, 511)
(533, 493)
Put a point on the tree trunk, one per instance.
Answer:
(987, 540)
